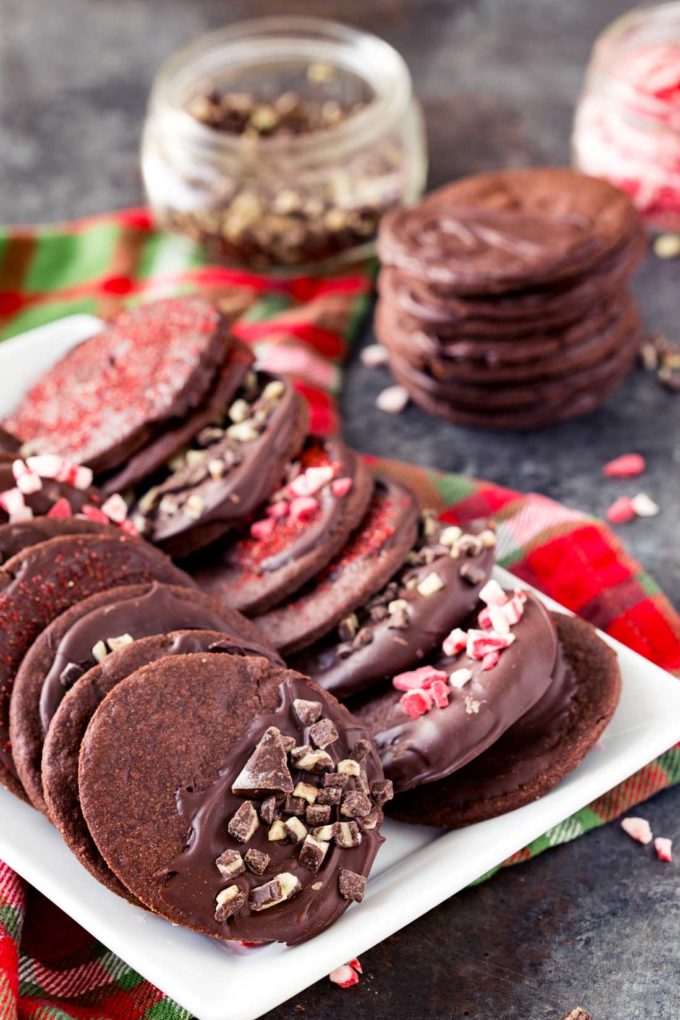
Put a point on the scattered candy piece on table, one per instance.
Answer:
(347, 975)
(638, 829)
(644, 506)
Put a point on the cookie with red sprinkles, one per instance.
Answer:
(302, 527)
(542, 747)
(103, 400)
(374, 552)
(43, 581)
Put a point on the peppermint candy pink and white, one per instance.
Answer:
(426, 688)
(299, 499)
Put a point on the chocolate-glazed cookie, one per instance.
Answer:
(39, 502)
(436, 590)
(82, 636)
(229, 469)
(254, 816)
(476, 708)
(62, 744)
(536, 752)
(374, 552)
(494, 232)
(46, 579)
(304, 525)
(9, 444)
(15, 537)
(103, 400)
(176, 435)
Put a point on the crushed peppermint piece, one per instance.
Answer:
(341, 487)
(628, 465)
(492, 594)
(374, 356)
(644, 506)
(481, 642)
(351, 885)
(261, 530)
(93, 513)
(638, 829)
(664, 848)
(667, 246)
(460, 677)
(392, 400)
(621, 511)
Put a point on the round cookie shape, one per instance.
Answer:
(82, 636)
(257, 866)
(43, 581)
(15, 537)
(421, 750)
(536, 752)
(51, 492)
(434, 592)
(373, 553)
(303, 526)
(102, 401)
(495, 232)
(229, 469)
(62, 745)
(176, 435)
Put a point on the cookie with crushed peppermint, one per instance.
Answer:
(104, 399)
(44, 580)
(84, 635)
(302, 527)
(31, 488)
(537, 751)
(396, 628)
(283, 831)
(373, 553)
(68, 726)
(228, 470)
(434, 719)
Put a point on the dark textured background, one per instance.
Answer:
(596, 922)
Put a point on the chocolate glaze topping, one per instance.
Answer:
(192, 880)
(130, 613)
(422, 750)
(404, 621)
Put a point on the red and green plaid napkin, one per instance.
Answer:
(51, 968)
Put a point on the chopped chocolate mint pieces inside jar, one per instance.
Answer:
(436, 588)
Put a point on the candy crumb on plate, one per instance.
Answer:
(621, 511)
(664, 848)
(644, 505)
(638, 829)
(628, 465)
(347, 975)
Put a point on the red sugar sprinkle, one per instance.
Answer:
(628, 465)
(638, 829)
(414, 679)
(93, 513)
(621, 511)
(345, 976)
(490, 660)
(262, 529)
(303, 508)
(416, 702)
(440, 691)
(455, 642)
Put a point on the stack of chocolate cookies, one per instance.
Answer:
(463, 700)
(504, 297)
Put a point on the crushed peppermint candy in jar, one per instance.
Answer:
(664, 849)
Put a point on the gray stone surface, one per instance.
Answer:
(593, 923)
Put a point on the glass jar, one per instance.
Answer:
(307, 200)
(627, 124)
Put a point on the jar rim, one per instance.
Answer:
(269, 40)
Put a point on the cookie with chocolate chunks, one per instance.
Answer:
(62, 744)
(433, 720)
(495, 232)
(87, 633)
(9, 444)
(176, 435)
(228, 470)
(43, 581)
(302, 527)
(103, 400)
(15, 537)
(372, 555)
(239, 771)
(434, 591)
(536, 752)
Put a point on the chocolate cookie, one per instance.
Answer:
(304, 525)
(102, 401)
(43, 581)
(436, 590)
(15, 537)
(176, 435)
(9, 444)
(536, 752)
(433, 720)
(276, 783)
(43, 494)
(229, 469)
(84, 635)
(498, 231)
(375, 551)
(61, 750)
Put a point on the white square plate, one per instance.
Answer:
(416, 869)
